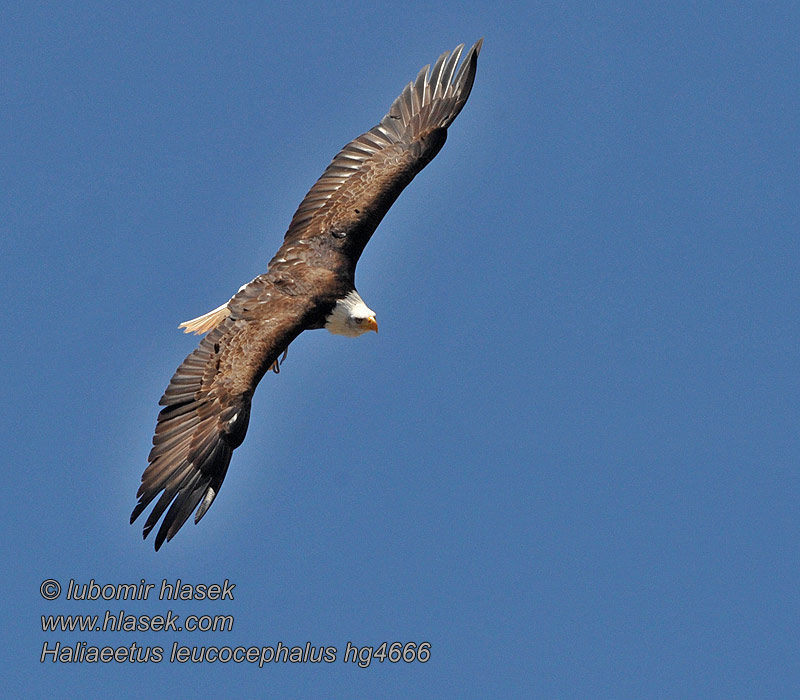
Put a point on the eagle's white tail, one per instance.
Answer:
(206, 322)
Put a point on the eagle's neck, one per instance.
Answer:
(348, 316)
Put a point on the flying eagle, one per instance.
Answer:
(310, 283)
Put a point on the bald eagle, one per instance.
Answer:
(310, 283)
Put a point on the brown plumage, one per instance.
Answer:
(310, 283)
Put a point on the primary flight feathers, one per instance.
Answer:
(310, 283)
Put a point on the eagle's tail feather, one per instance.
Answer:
(206, 322)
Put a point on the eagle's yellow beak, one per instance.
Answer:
(372, 324)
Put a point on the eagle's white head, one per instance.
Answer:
(351, 317)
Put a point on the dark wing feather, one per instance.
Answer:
(207, 403)
(367, 175)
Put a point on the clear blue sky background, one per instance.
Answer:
(569, 459)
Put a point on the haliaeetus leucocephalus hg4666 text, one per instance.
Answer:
(310, 283)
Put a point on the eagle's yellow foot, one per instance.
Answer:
(276, 366)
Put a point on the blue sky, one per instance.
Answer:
(569, 459)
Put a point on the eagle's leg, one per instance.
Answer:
(276, 366)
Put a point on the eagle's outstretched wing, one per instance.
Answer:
(207, 403)
(368, 174)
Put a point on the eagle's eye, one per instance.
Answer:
(338, 234)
